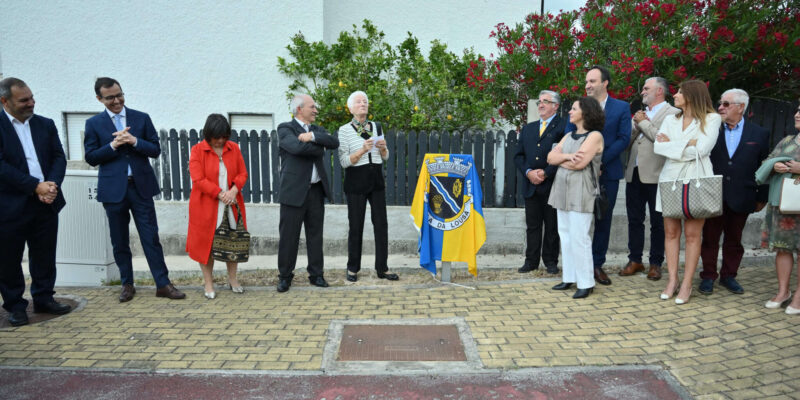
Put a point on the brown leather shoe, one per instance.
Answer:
(654, 273)
(170, 292)
(127, 293)
(601, 277)
(631, 268)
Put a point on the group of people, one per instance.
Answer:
(567, 164)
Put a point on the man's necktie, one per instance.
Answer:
(118, 122)
(542, 127)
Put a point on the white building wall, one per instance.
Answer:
(180, 60)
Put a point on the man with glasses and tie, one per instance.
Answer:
(121, 140)
(303, 189)
(741, 147)
(535, 141)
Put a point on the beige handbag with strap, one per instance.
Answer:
(790, 196)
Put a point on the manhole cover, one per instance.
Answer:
(401, 343)
(34, 317)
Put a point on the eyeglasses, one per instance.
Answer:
(119, 96)
(546, 102)
(727, 104)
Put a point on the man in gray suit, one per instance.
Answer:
(641, 179)
(303, 189)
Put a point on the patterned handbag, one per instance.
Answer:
(692, 198)
(231, 245)
(790, 196)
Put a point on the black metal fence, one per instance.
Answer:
(493, 152)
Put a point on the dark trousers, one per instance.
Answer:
(731, 223)
(638, 198)
(356, 211)
(311, 215)
(602, 227)
(38, 227)
(144, 217)
(539, 215)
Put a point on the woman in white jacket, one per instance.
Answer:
(686, 139)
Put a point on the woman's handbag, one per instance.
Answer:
(695, 198)
(790, 196)
(600, 198)
(231, 245)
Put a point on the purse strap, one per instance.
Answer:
(226, 221)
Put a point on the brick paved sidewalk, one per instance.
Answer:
(719, 346)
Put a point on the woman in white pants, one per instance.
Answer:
(578, 157)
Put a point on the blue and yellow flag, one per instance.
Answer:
(447, 211)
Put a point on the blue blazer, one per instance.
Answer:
(532, 152)
(17, 186)
(112, 178)
(616, 137)
(739, 189)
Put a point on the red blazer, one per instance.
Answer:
(203, 202)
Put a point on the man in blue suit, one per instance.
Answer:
(616, 137)
(741, 147)
(32, 167)
(535, 141)
(120, 140)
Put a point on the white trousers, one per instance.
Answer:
(576, 248)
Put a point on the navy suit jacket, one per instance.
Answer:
(297, 159)
(532, 152)
(17, 186)
(112, 178)
(616, 137)
(739, 189)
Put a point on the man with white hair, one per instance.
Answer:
(641, 177)
(303, 189)
(741, 147)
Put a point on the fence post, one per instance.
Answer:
(338, 177)
(274, 158)
(186, 183)
(265, 167)
(254, 172)
(402, 187)
(391, 188)
(175, 164)
(488, 146)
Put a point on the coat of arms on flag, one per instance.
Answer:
(447, 211)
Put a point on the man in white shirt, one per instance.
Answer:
(32, 167)
(641, 177)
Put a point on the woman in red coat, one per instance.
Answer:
(218, 172)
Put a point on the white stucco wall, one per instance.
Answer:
(180, 60)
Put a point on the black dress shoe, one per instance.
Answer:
(318, 281)
(170, 292)
(52, 307)
(352, 277)
(283, 285)
(127, 293)
(18, 318)
(731, 285)
(601, 277)
(388, 276)
(552, 269)
(527, 268)
(582, 293)
(562, 286)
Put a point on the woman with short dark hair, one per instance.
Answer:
(578, 157)
(218, 173)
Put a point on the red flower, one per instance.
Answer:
(700, 57)
(797, 42)
(787, 223)
(781, 38)
(680, 72)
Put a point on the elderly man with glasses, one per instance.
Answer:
(741, 147)
(535, 141)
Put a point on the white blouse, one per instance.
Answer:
(350, 141)
(681, 160)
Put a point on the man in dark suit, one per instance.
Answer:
(303, 188)
(32, 167)
(120, 140)
(741, 147)
(616, 137)
(535, 141)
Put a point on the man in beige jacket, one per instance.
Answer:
(641, 177)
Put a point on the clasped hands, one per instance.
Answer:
(47, 192)
(640, 116)
(228, 196)
(787, 166)
(123, 137)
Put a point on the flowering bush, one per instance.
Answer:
(406, 90)
(750, 44)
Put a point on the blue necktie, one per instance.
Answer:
(118, 122)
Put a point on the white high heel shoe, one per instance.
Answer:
(792, 311)
(777, 304)
(210, 295)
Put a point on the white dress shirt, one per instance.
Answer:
(24, 133)
(314, 174)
